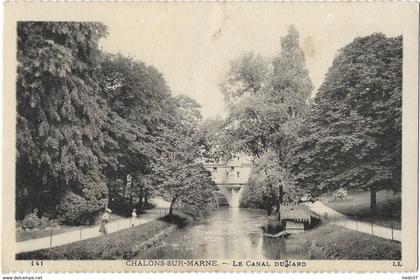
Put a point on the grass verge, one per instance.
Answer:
(357, 206)
(22, 235)
(123, 244)
(333, 242)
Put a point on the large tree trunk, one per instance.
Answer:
(130, 202)
(146, 197)
(373, 202)
(123, 196)
(269, 210)
(171, 208)
(270, 200)
(130, 190)
(140, 203)
(280, 200)
(268, 206)
(280, 197)
(277, 205)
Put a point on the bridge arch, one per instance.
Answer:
(221, 199)
(231, 177)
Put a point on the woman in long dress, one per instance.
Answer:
(133, 217)
(104, 221)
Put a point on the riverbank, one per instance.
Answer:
(230, 233)
(331, 242)
(357, 206)
(325, 241)
(123, 244)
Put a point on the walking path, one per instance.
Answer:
(84, 233)
(342, 220)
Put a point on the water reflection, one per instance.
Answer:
(230, 233)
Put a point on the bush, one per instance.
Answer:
(45, 222)
(75, 210)
(53, 223)
(31, 221)
(340, 194)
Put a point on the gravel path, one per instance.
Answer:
(83, 233)
(350, 223)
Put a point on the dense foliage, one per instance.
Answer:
(348, 137)
(267, 100)
(86, 120)
(352, 136)
(138, 99)
(182, 179)
(268, 184)
(59, 118)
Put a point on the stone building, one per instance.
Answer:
(231, 177)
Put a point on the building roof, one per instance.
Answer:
(295, 212)
(236, 161)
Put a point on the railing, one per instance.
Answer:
(57, 237)
(364, 226)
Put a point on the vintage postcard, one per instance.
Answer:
(210, 136)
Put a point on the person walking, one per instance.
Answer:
(104, 221)
(133, 217)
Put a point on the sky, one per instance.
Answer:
(193, 44)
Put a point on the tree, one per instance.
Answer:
(214, 141)
(137, 97)
(269, 185)
(59, 119)
(244, 90)
(352, 136)
(182, 177)
(290, 91)
(289, 79)
(267, 102)
(85, 120)
(246, 77)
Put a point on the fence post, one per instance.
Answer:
(51, 235)
(392, 231)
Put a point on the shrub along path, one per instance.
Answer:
(85, 233)
(342, 220)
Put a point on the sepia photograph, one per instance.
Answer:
(205, 132)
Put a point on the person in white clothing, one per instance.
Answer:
(133, 217)
(104, 221)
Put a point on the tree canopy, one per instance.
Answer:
(182, 177)
(87, 119)
(352, 136)
(59, 115)
(267, 100)
(137, 100)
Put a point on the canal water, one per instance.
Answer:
(230, 233)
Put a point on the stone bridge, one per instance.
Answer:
(230, 177)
